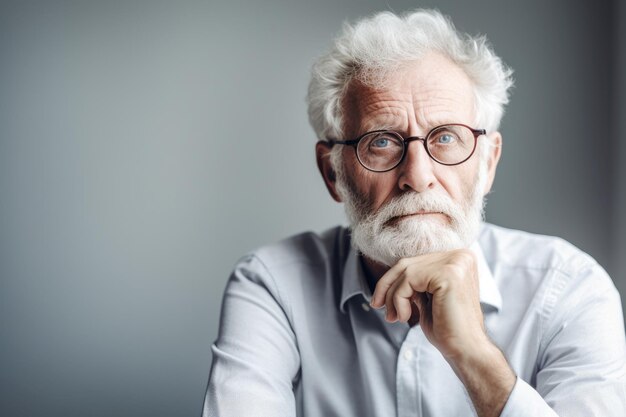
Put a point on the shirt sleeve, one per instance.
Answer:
(255, 357)
(581, 369)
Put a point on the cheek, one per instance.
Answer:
(457, 181)
(372, 188)
(379, 188)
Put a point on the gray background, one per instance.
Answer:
(145, 146)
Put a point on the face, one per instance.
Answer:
(420, 206)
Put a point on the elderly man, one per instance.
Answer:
(419, 308)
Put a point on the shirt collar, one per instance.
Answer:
(355, 282)
(489, 293)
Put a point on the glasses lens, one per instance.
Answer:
(451, 144)
(380, 151)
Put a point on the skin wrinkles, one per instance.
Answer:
(417, 99)
(381, 114)
(430, 101)
(385, 112)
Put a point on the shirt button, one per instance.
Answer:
(408, 355)
(365, 306)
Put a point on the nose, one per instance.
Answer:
(416, 171)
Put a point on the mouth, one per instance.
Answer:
(419, 214)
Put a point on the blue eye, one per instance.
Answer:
(380, 143)
(446, 139)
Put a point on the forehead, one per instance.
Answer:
(413, 99)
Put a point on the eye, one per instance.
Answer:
(446, 139)
(380, 143)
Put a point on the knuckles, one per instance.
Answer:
(455, 274)
(462, 261)
(454, 268)
(412, 269)
(463, 256)
(404, 263)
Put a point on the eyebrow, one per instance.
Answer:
(380, 127)
(376, 125)
(433, 124)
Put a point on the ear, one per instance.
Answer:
(322, 154)
(495, 150)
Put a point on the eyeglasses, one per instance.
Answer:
(383, 150)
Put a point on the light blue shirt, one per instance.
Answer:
(297, 336)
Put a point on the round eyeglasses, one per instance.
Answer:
(383, 150)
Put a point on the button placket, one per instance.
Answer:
(407, 384)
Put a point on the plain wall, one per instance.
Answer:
(618, 89)
(145, 146)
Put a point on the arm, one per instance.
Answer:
(488, 379)
(255, 358)
(440, 291)
(581, 371)
(582, 357)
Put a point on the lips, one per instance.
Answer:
(396, 219)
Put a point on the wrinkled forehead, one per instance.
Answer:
(417, 95)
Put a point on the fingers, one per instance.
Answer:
(385, 282)
(391, 306)
(421, 302)
(398, 300)
(438, 291)
(397, 286)
(415, 313)
(404, 269)
(431, 273)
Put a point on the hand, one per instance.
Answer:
(440, 291)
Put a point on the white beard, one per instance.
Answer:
(414, 235)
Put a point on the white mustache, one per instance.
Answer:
(412, 203)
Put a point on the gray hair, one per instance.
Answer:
(374, 47)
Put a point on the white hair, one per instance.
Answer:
(374, 47)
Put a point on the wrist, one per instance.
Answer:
(487, 377)
(484, 357)
(471, 352)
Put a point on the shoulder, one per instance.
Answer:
(520, 249)
(300, 261)
(305, 248)
(295, 270)
(554, 273)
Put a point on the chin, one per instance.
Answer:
(408, 238)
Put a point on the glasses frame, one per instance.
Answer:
(405, 144)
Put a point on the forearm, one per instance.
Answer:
(487, 378)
